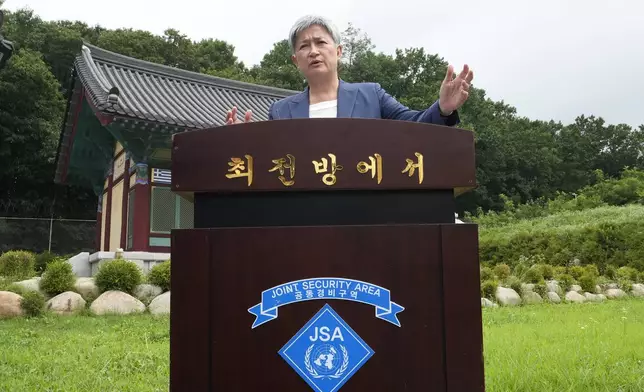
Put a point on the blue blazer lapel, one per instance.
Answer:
(347, 94)
(299, 105)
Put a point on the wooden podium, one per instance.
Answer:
(325, 257)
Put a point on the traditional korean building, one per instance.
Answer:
(116, 140)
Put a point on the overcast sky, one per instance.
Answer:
(551, 59)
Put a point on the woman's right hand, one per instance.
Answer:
(231, 117)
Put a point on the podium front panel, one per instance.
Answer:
(239, 324)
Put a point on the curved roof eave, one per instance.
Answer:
(153, 92)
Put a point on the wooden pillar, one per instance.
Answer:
(126, 193)
(141, 210)
(108, 208)
(99, 216)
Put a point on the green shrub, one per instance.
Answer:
(565, 282)
(160, 275)
(4, 282)
(611, 272)
(576, 271)
(541, 289)
(627, 189)
(602, 236)
(640, 277)
(15, 288)
(33, 304)
(636, 261)
(626, 285)
(118, 274)
(627, 273)
(521, 268)
(547, 271)
(618, 191)
(17, 264)
(559, 271)
(591, 269)
(588, 282)
(502, 271)
(486, 274)
(488, 289)
(57, 278)
(602, 280)
(42, 259)
(533, 275)
(514, 283)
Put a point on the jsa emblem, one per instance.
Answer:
(326, 352)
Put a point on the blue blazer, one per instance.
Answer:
(362, 100)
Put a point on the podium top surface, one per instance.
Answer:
(323, 154)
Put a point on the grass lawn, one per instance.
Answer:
(590, 347)
(565, 347)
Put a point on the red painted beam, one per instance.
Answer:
(141, 226)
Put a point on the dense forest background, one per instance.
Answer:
(519, 160)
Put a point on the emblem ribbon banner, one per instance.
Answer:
(326, 288)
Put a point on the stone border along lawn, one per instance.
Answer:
(150, 298)
(506, 296)
(86, 297)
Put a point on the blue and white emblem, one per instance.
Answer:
(326, 352)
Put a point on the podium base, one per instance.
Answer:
(430, 270)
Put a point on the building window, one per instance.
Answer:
(169, 211)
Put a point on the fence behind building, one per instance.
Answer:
(59, 236)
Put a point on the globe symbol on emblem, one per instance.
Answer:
(326, 360)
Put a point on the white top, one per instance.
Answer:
(324, 109)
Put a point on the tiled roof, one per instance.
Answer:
(118, 85)
(122, 85)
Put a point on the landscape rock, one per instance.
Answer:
(507, 297)
(86, 287)
(531, 297)
(32, 284)
(116, 302)
(553, 297)
(10, 305)
(161, 304)
(525, 287)
(573, 296)
(146, 292)
(553, 287)
(615, 293)
(638, 290)
(66, 303)
(575, 287)
(590, 297)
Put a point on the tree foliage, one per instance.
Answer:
(30, 120)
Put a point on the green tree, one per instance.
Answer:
(277, 69)
(31, 112)
(139, 44)
(214, 54)
(355, 44)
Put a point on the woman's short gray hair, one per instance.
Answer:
(309, 20)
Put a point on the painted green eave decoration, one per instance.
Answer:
(91, 151)
(146, 142)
